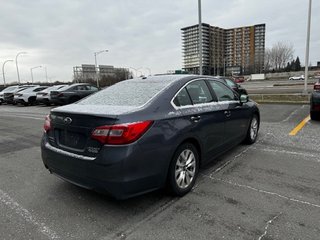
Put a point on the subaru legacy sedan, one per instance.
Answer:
(143, 134)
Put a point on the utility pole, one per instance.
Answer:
(306, 73)
(200, 38)
(19, 53)
(32, 72)
(96, 64)
(4, 78)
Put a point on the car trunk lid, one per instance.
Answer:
(72, 132)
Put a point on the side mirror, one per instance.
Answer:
(244, 99)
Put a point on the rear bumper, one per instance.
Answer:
(315, 102)
(58, 101)
(121, 172)
(42, 100)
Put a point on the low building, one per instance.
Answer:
(88, 72)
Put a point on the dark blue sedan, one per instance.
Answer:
(143, 134)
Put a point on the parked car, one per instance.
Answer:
(315, 102)
(235, 86)
(43, 97)
(301, 77)
(144, 134)
(238, 79)
(28, 96)
(8, 93)
(72, 93)
(1, 97)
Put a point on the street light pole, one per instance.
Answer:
(19, 53)
(32, 73)
(96, 64)
(45, 69)
(200, 37)
(306, 72)
(4, 78)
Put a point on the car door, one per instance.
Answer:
(200, 108)
(236, 114)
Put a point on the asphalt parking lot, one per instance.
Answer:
(269, 190)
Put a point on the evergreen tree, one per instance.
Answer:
(288, 67)
(297, 64)
(293, 65)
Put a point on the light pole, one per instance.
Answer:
(32, 73)
(96, 65)
(4, 78)
(306, 71)
(45, 70)
(19, 53)
(200, 37)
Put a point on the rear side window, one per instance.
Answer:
(199, 92)
(222, 92)
(182, 99)
(92, 88)
(231, 83)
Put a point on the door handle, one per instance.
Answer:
(195, 118)
(227, 113)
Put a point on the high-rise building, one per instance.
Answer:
(231, 51)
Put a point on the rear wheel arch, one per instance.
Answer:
(190, 140)
(195, 143)
(31, 99)
(184, 169)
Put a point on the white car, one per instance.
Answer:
(297, 78)
(44, 95)
(28, 96)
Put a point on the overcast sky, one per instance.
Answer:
(61, 34)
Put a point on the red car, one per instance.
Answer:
(315, 102)
(238, 79)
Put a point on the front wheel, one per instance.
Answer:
(183, 169)
(252, 132)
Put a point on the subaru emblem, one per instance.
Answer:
(67, 120)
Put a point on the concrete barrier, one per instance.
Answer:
(281, 98)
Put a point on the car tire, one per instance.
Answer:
(32, 100)
(252, 133)
(183, 169)
(313, 116)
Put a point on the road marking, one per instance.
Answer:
(26, 215)
(262, 191)
(19, 116)
(309, 155)
(268, 224)
(299, 126)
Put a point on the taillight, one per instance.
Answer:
(316, 87)
(121, 133)
(47, 124)
(60, 95)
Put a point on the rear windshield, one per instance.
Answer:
(8, 89)
(135, 92)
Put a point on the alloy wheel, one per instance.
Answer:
(185, 169)
(254, 128)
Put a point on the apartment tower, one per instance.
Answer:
(225, 51)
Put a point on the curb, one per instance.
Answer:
(281, 98)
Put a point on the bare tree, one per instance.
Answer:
(278, 56)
